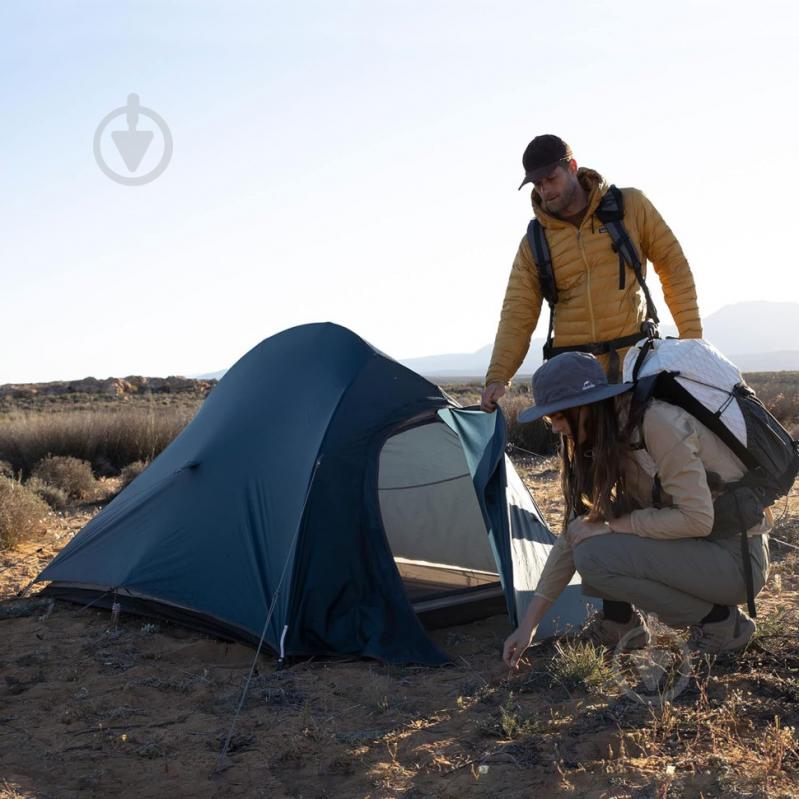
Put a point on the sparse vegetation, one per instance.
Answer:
(23, 514)
(55, 497)
(579, 664)
(105, 438)
(125, 698)
(779, 392)
(536, 437)
(71, 475)
(512, 721)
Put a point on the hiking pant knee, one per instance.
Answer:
(678, 579)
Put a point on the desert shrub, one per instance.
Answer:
(132, 471)
(779, 392)
(108, 439)
(22, 513)
(533, 436)
(579, 664)
(55, 497)
(72, 475)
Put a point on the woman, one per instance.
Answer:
(638, 513)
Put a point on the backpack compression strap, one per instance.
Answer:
(611, 214)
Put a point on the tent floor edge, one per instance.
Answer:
(153, 609)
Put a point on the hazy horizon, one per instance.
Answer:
(359, 164)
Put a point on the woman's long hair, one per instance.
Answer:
(592, 473)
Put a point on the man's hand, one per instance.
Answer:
(579, 530)
(491, 393)
(516, 645)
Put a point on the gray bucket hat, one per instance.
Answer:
(569, 380)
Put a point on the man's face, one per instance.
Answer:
(558, 189)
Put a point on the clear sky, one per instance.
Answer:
(358, 162)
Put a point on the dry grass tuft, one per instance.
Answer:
(514, 723)
(535, 436)
(108, 439)
(580, 664)
(72, 475)
(23, 514)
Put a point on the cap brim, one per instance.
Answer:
(536, 174)
(583, 398)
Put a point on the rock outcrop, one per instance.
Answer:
(110, 386)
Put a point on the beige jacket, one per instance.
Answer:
(680, 450)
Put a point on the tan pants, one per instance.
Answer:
(678, 579)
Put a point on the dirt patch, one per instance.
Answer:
(142, 709)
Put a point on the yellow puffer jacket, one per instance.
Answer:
(591, 308)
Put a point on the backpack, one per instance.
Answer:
(694, 375)
(611, 214)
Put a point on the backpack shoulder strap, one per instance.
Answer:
(611, 214)
(539, 247)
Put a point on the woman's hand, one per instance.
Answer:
(579, 530)
(517, 642)
(516, 645)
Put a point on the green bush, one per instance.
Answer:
(22, 513)
(72, 475)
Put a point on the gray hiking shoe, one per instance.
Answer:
(604, 632)
(730, 635)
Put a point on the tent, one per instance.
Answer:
(327, 499)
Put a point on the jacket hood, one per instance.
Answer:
(593, 183)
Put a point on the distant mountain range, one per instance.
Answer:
(756, 336)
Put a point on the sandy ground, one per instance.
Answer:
(142, 709)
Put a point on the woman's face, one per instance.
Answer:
(563, 421)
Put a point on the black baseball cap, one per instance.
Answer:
(542, 155)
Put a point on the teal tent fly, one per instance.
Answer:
(327, 499)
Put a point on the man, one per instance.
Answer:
(601, 305)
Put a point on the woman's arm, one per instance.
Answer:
(555, 576)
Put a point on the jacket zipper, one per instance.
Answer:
(588, 276)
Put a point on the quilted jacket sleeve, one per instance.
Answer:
(520, 311)
(660, 246)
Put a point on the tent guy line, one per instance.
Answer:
(223, 753)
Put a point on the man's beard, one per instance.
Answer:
(564, 200)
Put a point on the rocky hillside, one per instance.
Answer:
(119, 387)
